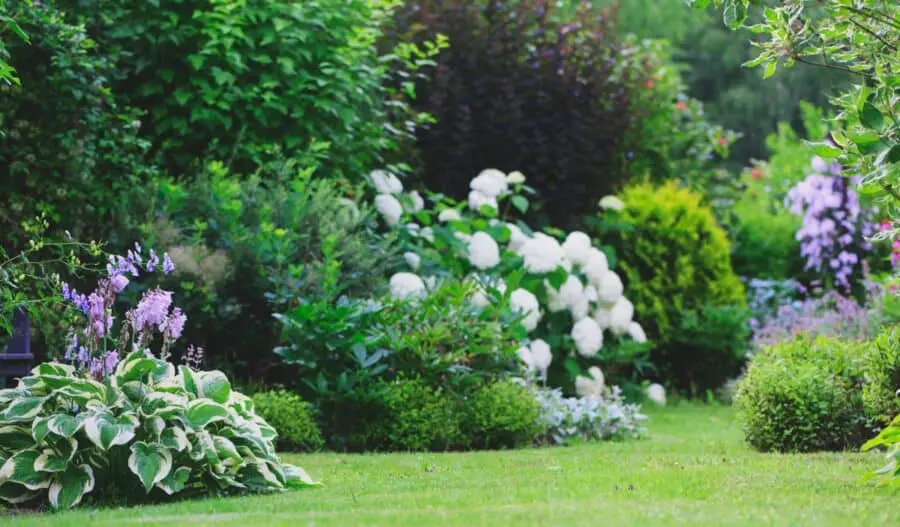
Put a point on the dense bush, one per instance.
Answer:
(674, 259)
(764, 237)
(802, 395)
(416, 416)
(881, 360)
(292, 418)
(68, 148)
(242, 81)
(523, 87)
(503, 414)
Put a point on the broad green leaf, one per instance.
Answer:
(871, 117)
(174, 439)
(20, 469)
(143, 368)
(259, 476)
(296, 477)
(189, 380)
(53, 368)
(175, 481)
(520, 203)
(893, 156)
(40, 428)
(71, 486)
(225, 449)
(14, 493)
(201, 412)
(15, 437)
(106, 431)
(163, 404)
(23, 409)
(735, 13)
(51, 461)
(150, 462)
(770, 69)
(825, 150)
(81, 390)
(214, 384)
(65, 425)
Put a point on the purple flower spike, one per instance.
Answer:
(168, 264)
(152, 262)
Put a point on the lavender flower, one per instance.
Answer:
(168, 264)
(152, 310)
(152, 262)
(174, 325)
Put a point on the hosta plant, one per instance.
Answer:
(889, 438)
(136, 428)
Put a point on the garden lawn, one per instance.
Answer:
(693, 470)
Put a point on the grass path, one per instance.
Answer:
(694, 470)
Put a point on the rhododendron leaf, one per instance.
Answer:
(23, 409)
(20, 469)
(15, 437)
(201, 412)
(14, 493)
(70, 487)
(175, 481)
(214, 384)
(150, 462)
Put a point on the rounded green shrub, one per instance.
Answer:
(801, 396)
(674, 259)
(416, 417)
(292, 418)
(881, 361)
(502, 414)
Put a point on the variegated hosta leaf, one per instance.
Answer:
(202, 412)
(154, 426)
(40, 429)
(189, 380)
(214, 385)
(35, 385)
(227, 451)
(20, 469)
(175, 439)
(53, 368)
(259, 476)
(105, 430)
(71, 486)
(163, 404)
(14, 438)
(57, 456)
(296, 477)
(9, 395)
(241, 404)
(139, 367)
(175, 481)
(23, 409)
(65, 425)
(15, 493)
(150, 462)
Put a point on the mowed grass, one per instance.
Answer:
(693, 470)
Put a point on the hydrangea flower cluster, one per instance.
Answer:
(568, 282)
(88, 348)
(834, 232)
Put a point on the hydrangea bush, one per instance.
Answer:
(568, 299)
(119, 420)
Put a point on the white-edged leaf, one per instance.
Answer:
(202, 412)
(23, 409)
(296, 477)
(40, 429)
(189, 380)
(226, 450)
(150, 462)
(175, 439)
(15, 493)
(20, 469)
(15, 437)
(175, 481)
(214, 385)
(65, 425)
(105, 430)
(163, 404)
(71, 486)
(53, 368)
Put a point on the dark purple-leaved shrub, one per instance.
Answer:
(523, 87)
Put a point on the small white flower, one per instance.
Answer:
(610, 289)
(542, 254)
(636, 332)
(525, 355)
(478, 199)
(525, 303)
(515, 177)
(621, 315)
(490, 182)
(611, 203)
(591, 386)
(577, 247)
(595, 266)
(449, 215)
(603, 317)
(385, 182)
(417, 202)
(570, 292)
(517, 238)
(588, 337)
(657, 394)
(412, 259)
(541, 356)
(555, 301)
(405, 286)
(389, 207)
(484, 253)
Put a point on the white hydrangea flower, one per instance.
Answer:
(517, 238)
(515, 177)
(590, 293)
(449, 215)
(524, 354)
(385, 182)
(484, 253)
(417, 202)
(412, 259)
(389, 207)
(555, 301)
(595, 266)
(592, 386)
(603, 317)
(542, 254)
(490, 182)
(610, 289)
(657, 394)
(478, 199)
(541, 356)
(580, 309)
(571, 291)
(621, 315)
(588, 337)
(480, 297)
(611, 203)
(405, 286)
(577, 247)
(427, 233)
(525, 303)
(636, 332)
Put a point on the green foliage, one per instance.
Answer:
(504, 414)
(292, 418)
(709, 348)
(8, 19)
(415, 415)
(247, 80)
(674, 259)
(146, 432)
(881, 359)
(245, 247)
(68, 148)
(888, 438)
